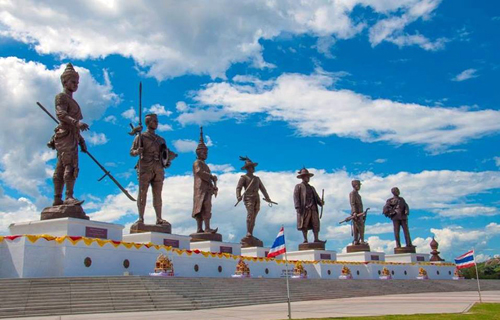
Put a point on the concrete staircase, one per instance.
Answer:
(60, 296)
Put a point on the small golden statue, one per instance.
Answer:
(163, 266)
(242, 269)
(386, 272)
(422, 274)
(345, 273)
(299, 271)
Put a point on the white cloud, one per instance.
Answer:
(170, 39)
(380, 160)
(181, 106)
(25, 129)
(185, 145)
(111, 119)
(224, 168)
(164, 127)
(311, 106)
(324, 45)
(379, 228)
(95, 139)
(130, 114)
(22, 210)
(497, 161)
(208, 141)
(461, 211)
(159, 110)
(465, 75)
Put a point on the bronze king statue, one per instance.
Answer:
(154, 157)
(306, 201)
(397, 210)
(251, 199)
(205, 186)
(357, 219)
(66, 140)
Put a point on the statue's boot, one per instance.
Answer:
(159, 220)
(304, 234)
(316, 238)
(207, 227)
(70, 200)
(199, 225)
(58, 188)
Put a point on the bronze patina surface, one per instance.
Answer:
(398, 211)
(306, 201)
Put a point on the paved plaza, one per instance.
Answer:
(439, 302)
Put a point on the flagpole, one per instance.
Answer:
(287, 283)
(477, 276)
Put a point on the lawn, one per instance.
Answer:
(480, 311)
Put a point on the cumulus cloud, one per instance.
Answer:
(225, 168)
(95, 139)
(311, 105)
(159, 110)
(465, 75)
(185, 145)
(497, 161)
(164, 127)
(169, 39)
(130, 114)
(25, 129)
(461, 211)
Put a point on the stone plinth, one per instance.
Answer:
(312, 246)
(361, 256)
(63, 211)
(401, 250)
(358, 248)
(166, 239)
(257, 252)
(251, 241)
(407, 257)
(217, 247)
(69, 227)
(140, 227)
(202, 236)
(312, 255)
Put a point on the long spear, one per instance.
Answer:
(106, 172)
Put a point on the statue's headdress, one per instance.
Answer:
(68, 73)
(304, 172)
(201, 143)
(248, 163)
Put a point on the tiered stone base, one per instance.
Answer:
(250, 241)
(405, 250)
(140, 227)
(311, 246)
(358, 248)
(202, 236)
(63, 211)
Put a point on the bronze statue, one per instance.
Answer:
(358, 221)
(66, 139)
(154, 158)
(397, 210)
(205, 186)
(252, 185)
(306, 201)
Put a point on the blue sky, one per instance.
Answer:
(395, 93)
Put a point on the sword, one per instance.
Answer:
(322, 200)
(106, 172)
(246, 189)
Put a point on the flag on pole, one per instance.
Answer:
(466, 260)
(278, 245)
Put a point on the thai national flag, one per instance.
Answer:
(466, 260)
(278, 245)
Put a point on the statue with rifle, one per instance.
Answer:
(306, 201)
(357, 219)
(66, 139)
(154, 157)
(251, 199)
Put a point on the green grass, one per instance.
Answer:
(480, 311)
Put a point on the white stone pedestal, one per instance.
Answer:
(257, 252)
(361, 256)
(69, 227)
(312, 255)
(407, 257)
(217, 246)
(165, 239)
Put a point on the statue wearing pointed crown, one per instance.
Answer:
(205, 186)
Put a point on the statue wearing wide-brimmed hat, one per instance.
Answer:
(306, 201)
(252, 184)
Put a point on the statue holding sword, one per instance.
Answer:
(251, 199)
